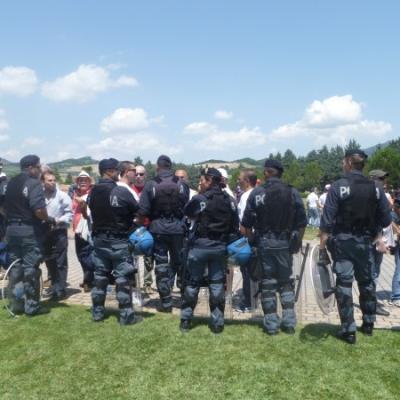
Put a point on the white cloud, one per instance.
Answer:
(222, 114)
(125, 119)
(3, 127)
(84, 84)
(32, 141)
(334, 120)
(130, 145)
(200, 128)
(11, 155)
(217, 139)
(17, 81)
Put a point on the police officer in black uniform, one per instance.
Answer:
(162, 200)
(25, 208)
(354, 212)
(216, 223)
(113, 210)
(276, 212)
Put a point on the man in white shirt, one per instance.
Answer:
(312, 206)
(183, 176)
(224, 182)
(247, 181)
(59, 207)
(322, 198)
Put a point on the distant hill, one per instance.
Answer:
(73, 162)
(70, 166)
(371, 150)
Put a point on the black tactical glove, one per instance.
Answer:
(324, 258)
(295, 243)
(51, 221)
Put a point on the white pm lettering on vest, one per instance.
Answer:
(259, 199)
(202, 206)
(25, 192)
(233, 206)
(344, 190)
(378, 193)
(114, 201)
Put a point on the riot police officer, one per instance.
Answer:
(113, 210)
(162, 201)
(354, 212)
(216, 223)
(25, 209)
(276, 212)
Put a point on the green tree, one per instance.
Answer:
(68, 179)
(293, 175)
(57, 174)
(288, 158)
(352, 145)
(387, 159)
(138, 160)
(88, 169)
(312, 175)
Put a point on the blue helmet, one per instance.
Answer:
(142, 241)
(239, 251)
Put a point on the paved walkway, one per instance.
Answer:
(306, 307)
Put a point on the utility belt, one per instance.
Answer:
(273, 235)
(354, 232)
(110, 234)
(18, 221)
(220, 237)
(168, 217)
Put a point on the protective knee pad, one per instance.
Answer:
(100, 281)
(190, 295)
(123, 292)
(161, 259)
(127, 270)
(344, 281)
(217, 295)
(16, 274)
(268, 289)
(162, 271)
(286, 291)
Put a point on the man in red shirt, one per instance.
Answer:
(137, 186)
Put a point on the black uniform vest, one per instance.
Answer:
(216, 221)
(276, 212)
(103, 217)
(356, 213)
(166, 202)
(16, 202)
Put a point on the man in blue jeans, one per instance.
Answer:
(395, 298)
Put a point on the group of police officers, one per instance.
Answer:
(191, 238)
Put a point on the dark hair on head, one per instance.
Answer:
(164, 162)
(251, 176)
(274, 172)
(47, 171)
(125, 166)
(357, 161)
(215, 180)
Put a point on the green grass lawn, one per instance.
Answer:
(311, 234)
(63, 355)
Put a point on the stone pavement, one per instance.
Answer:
(306, 306)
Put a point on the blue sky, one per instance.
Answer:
(196, 79)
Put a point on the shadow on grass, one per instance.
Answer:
(114, 313)
(317, 332)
